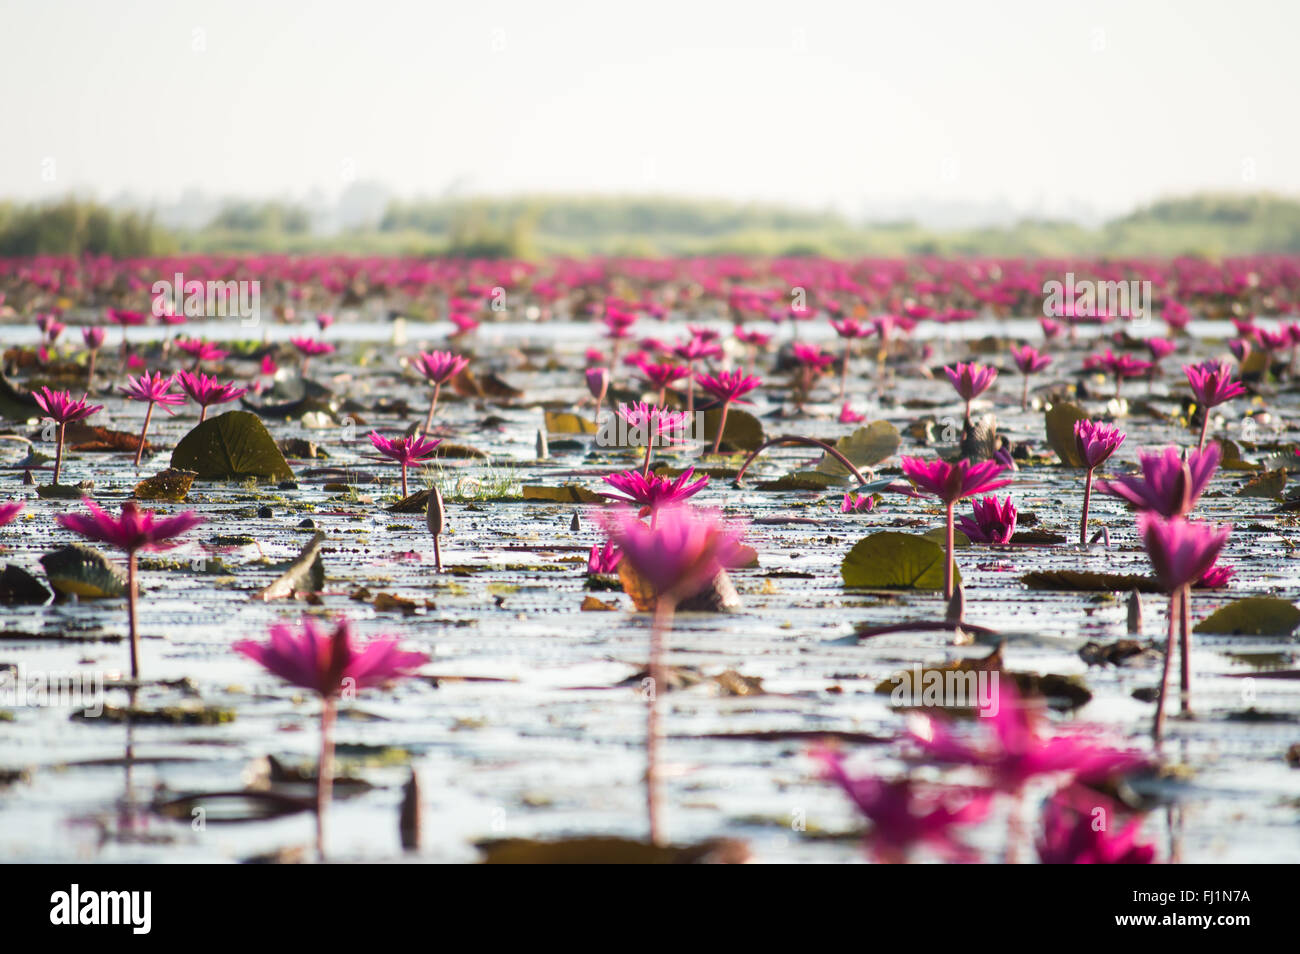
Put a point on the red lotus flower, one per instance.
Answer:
(330, 663)
(205, 391)
(93, 336)
(971, 380)
(1216, 578)
(412, 449)
(133, 531)
(438, 367)
(1073, 838)
(1169, 485)
(1029, 360)
(905, 815)
(63, 409)
(653, 425)
(200, 350)
(1181, 551)
(858, 503)
(728, 386)
(681, 554)
(950, 483)
(662, 376)
(994, 521)
(1212, 385)
(1096, 441)
(153, 389)
(852, 328)
(1014, 753)
(9, 510)
(310, 347)
(653, 492)
(850, 416)
(603, 560)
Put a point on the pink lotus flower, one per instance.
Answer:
(1096, 442)
(1121, 367)
(681, 553)
(850, 329)
(971, 380)
(9, 510)
(438, 367)
(950, 483)
(151, 389)
(1212, 385)
(602, 561)
(200, 350)
(133, 531)
(324, 321)
(1216, 578)
(1181, 551)
(1160, 348)
(63, 408)
(662, 376)
(1168, 485)
(1030, 361)
(93, 336)
(652, 492)
(727, 386)
(1051, 329)
(850, 416)
(327, 663)
(206, 391)
(1071, 838)
(904, 816)
(993, 522)
(330, 665)
(463, 322)
(653, 425)
(1181, 554)
(310, 348)
(413, 449)
(858, 503)
(1014, 752)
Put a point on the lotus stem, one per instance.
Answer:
(1185, 650)
(58, 452)
(1205, 424)
(722, 426)
(663, 618)
(132, 591)
(1175, 602)
(324, 772)
(139, 451)
(808, 441)
(433, 406)
(1087, 499)
(948, 562)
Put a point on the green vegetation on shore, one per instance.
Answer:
(533, 227)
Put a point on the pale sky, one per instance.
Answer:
(815, 103)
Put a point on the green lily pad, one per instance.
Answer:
(866, 447)
(232, 445)
(1253, 616)
(891, 560)
(77, 570)
(561, 422)
(1060, 420)
(1088, 582)
(172, 486)
(744, 431)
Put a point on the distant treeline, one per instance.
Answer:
(531, 227)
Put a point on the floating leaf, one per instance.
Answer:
(744, 431)
(232, 445)
(171, 486)
(940, 536)
(306, 574)
(458, 452)
(1268, 484)
(1253, 616)
(560, 422)
(801, 480)
(1060, 420)
(92, 439)
(891, 560)
(17, 586)
(591, 604)
(1087, 581)
(566, 493)
(78, 570)
(865, 447)
(1230, 456)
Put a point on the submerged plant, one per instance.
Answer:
(62, 408)
(333, 667)
(134, 531)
